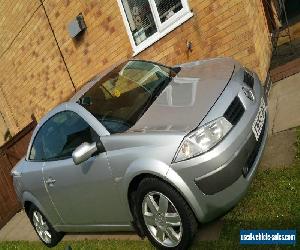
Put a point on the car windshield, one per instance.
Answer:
(121, 97)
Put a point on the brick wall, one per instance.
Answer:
(34, 77)
(233, 28)
(13, 15)
(104, 43)
(3, 130)
(261, 38)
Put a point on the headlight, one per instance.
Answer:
(202, 139)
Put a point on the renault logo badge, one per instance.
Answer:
(249, 94)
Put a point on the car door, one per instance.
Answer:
(83, 194)
(33, 181)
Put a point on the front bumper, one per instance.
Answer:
(220, 202)
(215, 179)
(241, 164)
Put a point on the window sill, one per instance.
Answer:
(157, 36)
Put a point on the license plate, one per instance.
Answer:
(259, 121)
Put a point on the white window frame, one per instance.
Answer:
(162, 28)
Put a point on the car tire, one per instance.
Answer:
(166, 218)
(47, 234)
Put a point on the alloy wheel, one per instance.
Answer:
(162, 219)
(41, 227)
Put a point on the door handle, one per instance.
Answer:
(50, 181)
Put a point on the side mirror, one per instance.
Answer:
(86, 150)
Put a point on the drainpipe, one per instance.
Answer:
(61, 54)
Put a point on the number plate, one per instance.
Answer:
(259, 121)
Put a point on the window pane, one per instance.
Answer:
(60, 136)
(140, 19)
(167, 8)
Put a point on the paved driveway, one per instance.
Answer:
(284, 104)
(19, 228)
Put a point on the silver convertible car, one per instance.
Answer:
(145, 147)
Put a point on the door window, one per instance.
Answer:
(60, 136)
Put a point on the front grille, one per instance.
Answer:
(235, 111)
(248, 79)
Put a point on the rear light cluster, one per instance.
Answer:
(235, 111)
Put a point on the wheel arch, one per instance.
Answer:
(170, 179)
(27, 205)
(29, 199)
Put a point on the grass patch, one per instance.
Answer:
(272, 202)
(80, 245)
